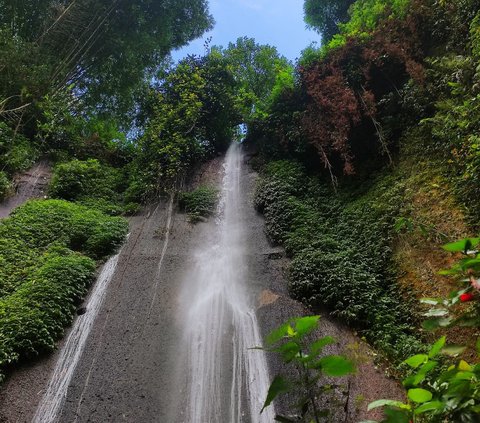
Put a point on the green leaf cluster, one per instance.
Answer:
(325, 15)
(260, 72)
(90, 183)
(107, 49)
(5, 185)
(193, 116)
(291, 342)
(436, 393)
(17, 153)
(47, 260)
(362, 19)
(199, 203)
(341, 251)
(444, 312)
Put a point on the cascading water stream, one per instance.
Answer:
(52, 401)
(228, 380)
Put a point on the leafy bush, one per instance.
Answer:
(365, 17)
(199, 202)
(445, 393)
(16, 152)
(78, 179)
(193, 116)
(33, 317)
(37, 225)
(291, 342)
(454, 126)
(340, 249)
(46, 262)
(5, 185)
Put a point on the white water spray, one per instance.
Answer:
(228, 381)
(51, 404)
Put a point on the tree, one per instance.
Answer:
(105, 47)
(324, 15)
(256, 68)
(192, 116)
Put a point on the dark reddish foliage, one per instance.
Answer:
(343, 89)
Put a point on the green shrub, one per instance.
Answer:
(5, 185)
(365, 16)
(199, 202)
(94, 185)
(16, 152)
(40, 224)
(47, 252)
(340, 249)
(79, 179)
(103, 205)
(33, 317)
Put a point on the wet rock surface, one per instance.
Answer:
(28, 185)
(127, 369)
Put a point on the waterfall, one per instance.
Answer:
(51, 404)
(227, 379)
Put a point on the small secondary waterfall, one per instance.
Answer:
(228, 380)
(51, 404)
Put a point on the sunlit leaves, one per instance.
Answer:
(416, 360)
(306, 325)
(278, 386)
(419, 395)
(429, 406)
(290, 341)
(318, 345)
(436, 348)
(334, 365)
(463, 246)
(386, 402)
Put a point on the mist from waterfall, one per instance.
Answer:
(227, 380)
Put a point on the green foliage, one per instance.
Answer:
(444, 312)
(341, 251)
(436, 393)
(259, 71)
(5, 186)
(350, 89)
(24, 74)
(199, 202)
(365, 15)
(291, 342)
(45, 269)
(107, 49)
(16, 152)
(93, 184)
(33, 317)
(73, 72)
(65, 130)
(475, 36)
(454, 125)
(78, 179)
(325, 15)
(193, 116)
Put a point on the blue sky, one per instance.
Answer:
(275, 22)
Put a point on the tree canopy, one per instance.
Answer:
(256, 68)
(324, 15)
(106, 48)
(191, 115)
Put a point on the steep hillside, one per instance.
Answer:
(368, 150)
(370, 166)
